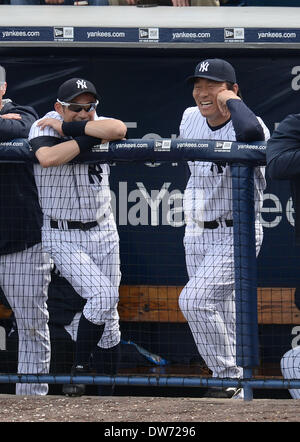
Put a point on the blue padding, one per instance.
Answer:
(245, 265)
(16, 151)
(140, 150)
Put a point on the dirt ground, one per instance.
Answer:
(145, 409)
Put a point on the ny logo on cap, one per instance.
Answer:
(204, 66)
(81, 84)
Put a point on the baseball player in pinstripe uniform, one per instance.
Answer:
(24, 268)
(207, 300)
(79, 229)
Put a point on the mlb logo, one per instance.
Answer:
(153, 33)
(227, 145)
(68, 32)
(239, 33)
(166, 145)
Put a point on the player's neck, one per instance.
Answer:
(217, 124)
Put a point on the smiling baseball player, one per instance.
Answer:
(79, 230)
(207, 301)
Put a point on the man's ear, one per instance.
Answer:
(236, 88)
(59, 109)
(3, 88)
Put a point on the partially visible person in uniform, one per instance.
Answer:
(290, 368)
(79, 229)
(283, 160)
(208, 299)
(283, 163)
(25, 269)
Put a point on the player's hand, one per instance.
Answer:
(11, 116)
(222, 99)
(52, 122)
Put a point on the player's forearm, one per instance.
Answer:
(59, 154)
(245, 123)
(108, 129)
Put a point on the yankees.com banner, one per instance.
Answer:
(146, 88)
(156, 35)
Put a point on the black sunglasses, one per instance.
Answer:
(74, 107)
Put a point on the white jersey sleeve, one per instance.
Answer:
(48, 131)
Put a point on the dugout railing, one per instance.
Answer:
(242, 157)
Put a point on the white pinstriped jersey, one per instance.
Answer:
(78, 192)
(208, 194)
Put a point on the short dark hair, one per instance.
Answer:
(230, 88)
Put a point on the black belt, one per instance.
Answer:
(74, 225)
(215, 224)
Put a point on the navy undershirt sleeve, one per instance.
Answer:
(10, 128)
(283, 149)
(246, 125)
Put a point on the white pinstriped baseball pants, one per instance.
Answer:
(24, 278)
(90, 261)
(290, 368)
(208, 299)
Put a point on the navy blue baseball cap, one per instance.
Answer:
(214, 69)
(2, 75)
(74, 87)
